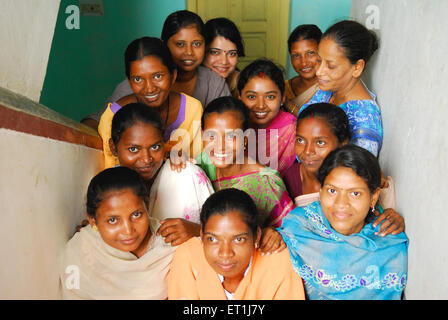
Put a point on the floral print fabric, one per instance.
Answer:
(335, 266)
(268, 191)
(364, 118)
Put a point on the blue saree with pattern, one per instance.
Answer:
(360, 266)
(364, 118)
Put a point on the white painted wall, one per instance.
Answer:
(43, 183)
(409, 74)
(26, 33)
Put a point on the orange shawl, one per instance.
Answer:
(270, 277)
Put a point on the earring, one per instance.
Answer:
(373, 210)
(94, 228)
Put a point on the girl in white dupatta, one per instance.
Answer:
(176, 196)
(118, 255)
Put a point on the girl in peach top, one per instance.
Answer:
(224, 262)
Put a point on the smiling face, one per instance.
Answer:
(150, 80)
(122, 221)
(140, 148)
(221, 141)
(346, 199)
(335, 72)
(187, 48)
(263, 98)
(304, 58)
(229, 244)
(222, 56)
(314, 141)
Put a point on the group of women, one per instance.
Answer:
(236, 184)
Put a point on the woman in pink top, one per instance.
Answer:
(261, 87)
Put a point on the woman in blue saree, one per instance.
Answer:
(344, 50)
(332, 242)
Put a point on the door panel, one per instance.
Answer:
(263, 25)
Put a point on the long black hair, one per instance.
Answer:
(356, 40)
(224, 104)
(114, 179)
(178, 20)
(361, 161)
(335, 117)
(148, 46)
(131, 113)
(304, 32)
(227, 200)
(225, 28)
(262, 66)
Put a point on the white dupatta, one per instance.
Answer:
(179, 194)
(91, 269)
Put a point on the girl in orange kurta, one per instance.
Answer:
(224, 262)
